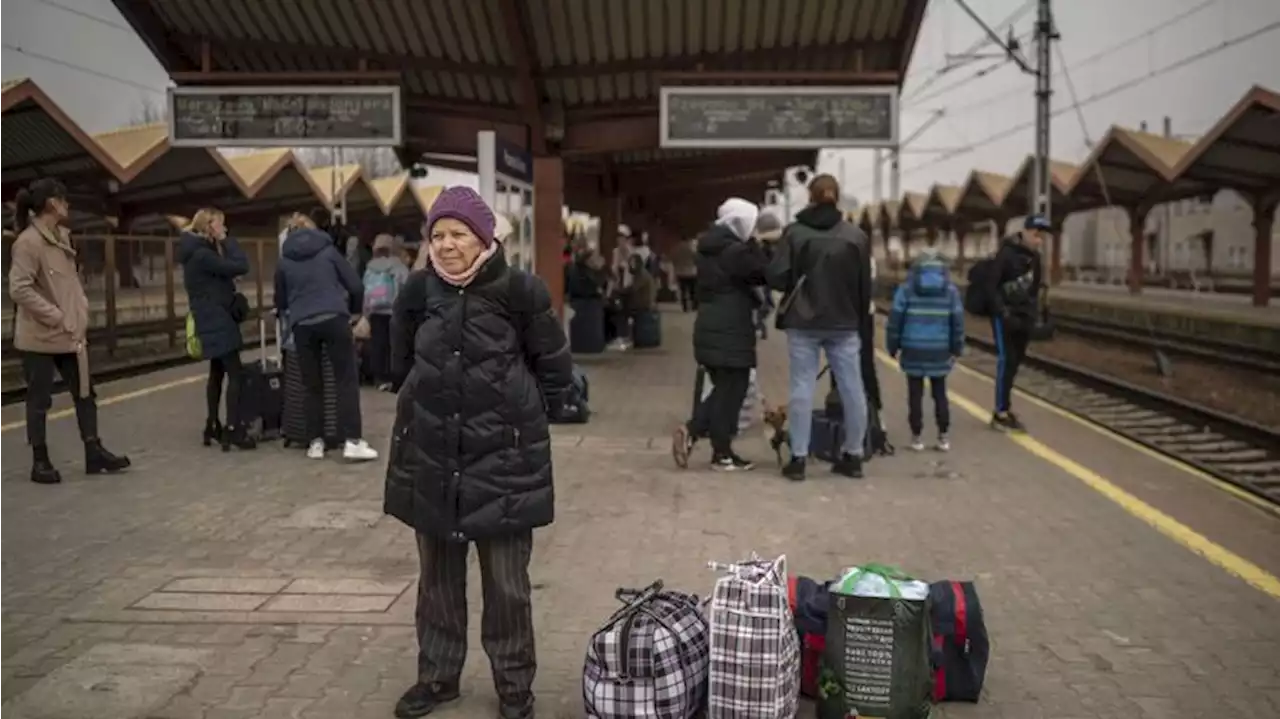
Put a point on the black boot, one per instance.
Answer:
(212, 431)
(42, 470)
(794, 470)
(97, 460)
(422, 699)
(237, 437)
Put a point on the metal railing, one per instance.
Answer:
(137, 301)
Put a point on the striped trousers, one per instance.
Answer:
(506, 624)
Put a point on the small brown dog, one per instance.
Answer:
(775, 418)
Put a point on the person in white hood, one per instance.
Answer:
(731, 270)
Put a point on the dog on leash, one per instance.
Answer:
(775, 422)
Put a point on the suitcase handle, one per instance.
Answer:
(634, 597)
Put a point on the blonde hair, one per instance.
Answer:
(203, 219)
(299, 221)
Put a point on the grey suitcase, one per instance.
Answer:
(294, 430)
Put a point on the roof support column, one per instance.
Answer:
(1264, 217)
(1055, 251)
(609, 211)
(548, 210)
(1137, 245)
(962, 231)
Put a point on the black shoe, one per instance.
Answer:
(237, 437)
(212, 432)
(1015, 424)
(42, 470)
(794, 470)
(731, 463)
(1007, 422)
(422, 699)
(97, 460)
(522, 709)
(848, 466)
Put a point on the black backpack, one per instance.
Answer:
(975, 296)
(961, 646)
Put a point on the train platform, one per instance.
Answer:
(1207, 305)
(261, 584)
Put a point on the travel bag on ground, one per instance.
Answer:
(961, 646)
(294, 428)
(755, 650)
(587, 326)
(877, 657)
(647, 330)
(809, 601)
(262, 395)
(826, 436)
(649, 659)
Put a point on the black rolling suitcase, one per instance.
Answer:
(647, 332)
(295, 413)
(262, 396)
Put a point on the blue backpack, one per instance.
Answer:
(379, 291)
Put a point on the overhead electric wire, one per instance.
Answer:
(87, 16)
(1113, 90)
(86, 70)
(940, 70)
(1122, 45)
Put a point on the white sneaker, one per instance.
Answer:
(358, 450)
(316, 449)
(944, 444)
(917, 445)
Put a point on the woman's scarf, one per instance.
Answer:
(739, 216)
(464, 278)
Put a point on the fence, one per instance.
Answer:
(137, 300)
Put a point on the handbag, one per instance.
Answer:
(239, 307)
(797, 300)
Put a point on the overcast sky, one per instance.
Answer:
(82, 40)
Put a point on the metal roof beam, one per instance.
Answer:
(515, 18)
(838, 57)
(308, 49)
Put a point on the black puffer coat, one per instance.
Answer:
(471, 450)
(209, 277)
(731, 276)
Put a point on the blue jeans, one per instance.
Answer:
(844, 353)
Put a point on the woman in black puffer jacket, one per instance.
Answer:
(476, 349)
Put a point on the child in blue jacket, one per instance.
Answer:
(926, 334)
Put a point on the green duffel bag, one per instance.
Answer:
(876, 662)
(194, 350)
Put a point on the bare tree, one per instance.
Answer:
(148, 111)
(373, 161)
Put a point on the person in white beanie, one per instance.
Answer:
(731, 271)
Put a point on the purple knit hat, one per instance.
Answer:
(465, 205)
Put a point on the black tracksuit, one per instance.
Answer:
(1013, 291)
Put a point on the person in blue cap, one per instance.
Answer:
(1013, 291)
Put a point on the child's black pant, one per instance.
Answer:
(915, 400)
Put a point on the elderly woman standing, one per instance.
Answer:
(211, 261)
(480, 353)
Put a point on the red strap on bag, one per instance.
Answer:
(962, 614)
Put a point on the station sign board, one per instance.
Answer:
(513, 162)
(285, 116)
(778, 117)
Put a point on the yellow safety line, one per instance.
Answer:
(1216, 554)
(143, 392)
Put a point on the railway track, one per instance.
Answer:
(1234, 450)
(1257, 359)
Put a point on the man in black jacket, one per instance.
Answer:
(823, 267)
(1013, 291)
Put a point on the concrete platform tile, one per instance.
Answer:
(226, 585)
(346, 586)
(202, 602)
(328, 603)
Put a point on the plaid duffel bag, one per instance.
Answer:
(649, 660)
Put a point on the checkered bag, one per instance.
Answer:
(649, 660)
(755, 651)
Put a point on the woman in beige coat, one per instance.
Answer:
(51, 326)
